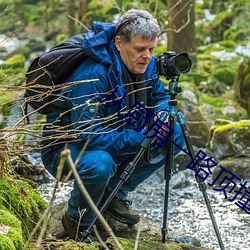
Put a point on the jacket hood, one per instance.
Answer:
(98, 43)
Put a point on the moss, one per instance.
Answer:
(21, 199)
(128, 244)
(225, 75)
(6, 243)
(16, 61)
(221, 132)
(242, 84)
(16, 237)
(219, 102)
(9, 219)
(236, 125)
(13, 239)
(214, 101)
(13, 71)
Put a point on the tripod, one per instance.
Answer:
(169, 163)
(173, 90)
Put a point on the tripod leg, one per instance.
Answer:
(169, 163)
(124, 176)
(201, 184)
(126, 173)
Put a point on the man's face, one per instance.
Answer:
(137, 53)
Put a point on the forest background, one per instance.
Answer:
(214, 33)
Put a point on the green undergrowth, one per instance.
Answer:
(20, 210)
(127, 244)
(10, 231)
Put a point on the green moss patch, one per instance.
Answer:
(22, 200)
(10, 231)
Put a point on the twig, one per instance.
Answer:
(137, 236)
(66, 155)
(77, 21)
(45, 217)
(99, 238)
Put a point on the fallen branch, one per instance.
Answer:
(65, 154)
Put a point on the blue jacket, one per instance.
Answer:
(87, 118)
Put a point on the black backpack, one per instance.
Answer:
(47, 74)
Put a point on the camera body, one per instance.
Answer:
(171, 65)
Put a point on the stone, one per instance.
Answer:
(149, 238)
(230, 140)
(238, 166)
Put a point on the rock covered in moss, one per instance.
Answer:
(232, 139)
(230, 143)
(197, 125)
(11, 237)
(22, 200)
(149, 238)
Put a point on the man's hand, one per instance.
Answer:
(162, 132)
(164, 128)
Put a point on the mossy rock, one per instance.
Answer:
(232, 139)
(221, 106)
(11, 237)
(128, 244)
(22, 200)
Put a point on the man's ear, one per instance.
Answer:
(118, 42)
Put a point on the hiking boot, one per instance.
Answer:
(75, 231)
(121, 211)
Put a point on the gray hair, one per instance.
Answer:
(137, 22)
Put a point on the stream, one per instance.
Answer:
(187, 212)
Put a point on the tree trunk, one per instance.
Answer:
(181, 27)
(83, 7)
(71, 6)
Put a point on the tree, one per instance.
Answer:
(181, 27)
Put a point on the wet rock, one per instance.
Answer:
(238, 166)
(181, 180)
(197, 125)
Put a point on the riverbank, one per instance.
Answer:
(188, 215)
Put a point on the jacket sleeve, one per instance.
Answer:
(88, 116)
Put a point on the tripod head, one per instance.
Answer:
(174, 89)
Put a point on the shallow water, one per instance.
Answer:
(188, 215)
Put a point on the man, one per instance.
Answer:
(121, 70)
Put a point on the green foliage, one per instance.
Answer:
(229, 23)
(22, 200)
(219, 102)
(214, 101)
(6, 243)
(224, 75)
(13, 238)
(17, 61)
(12, 67)
(242, 84)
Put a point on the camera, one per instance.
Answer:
(171, 65)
